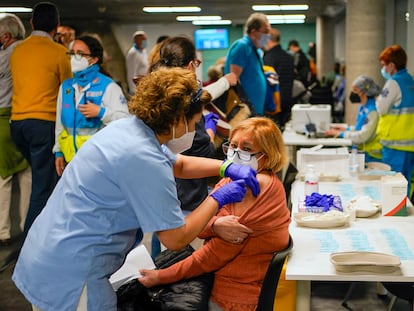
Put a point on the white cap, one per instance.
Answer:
(138, 33)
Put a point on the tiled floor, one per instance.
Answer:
(326, 296)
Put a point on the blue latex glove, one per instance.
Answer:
(230, 193)
(245, 173)
(211, 121)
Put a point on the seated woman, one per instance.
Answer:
(363, 91)
(241, 266)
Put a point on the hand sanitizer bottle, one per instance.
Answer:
(353, 162)
(311, 180)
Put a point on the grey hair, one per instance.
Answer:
(367, 86)
(12, 24)
(255, 21)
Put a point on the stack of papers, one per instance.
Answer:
(137, 259)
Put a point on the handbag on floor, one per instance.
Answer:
(186, 295)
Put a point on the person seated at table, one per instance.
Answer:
(240, 266)
(363, 92)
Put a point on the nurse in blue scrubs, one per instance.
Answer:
(120, 183)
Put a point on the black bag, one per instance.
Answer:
(186, 295)
(234, 100)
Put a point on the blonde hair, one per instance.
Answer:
(165, 95)
(268, 137)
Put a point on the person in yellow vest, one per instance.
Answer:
(395, 106)
(86, 103)
(363, 92)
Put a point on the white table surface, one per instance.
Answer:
(291, 138)
(310, 257)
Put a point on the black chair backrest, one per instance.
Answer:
(271, 279)
(404, 290)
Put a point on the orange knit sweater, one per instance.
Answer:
(240, 268)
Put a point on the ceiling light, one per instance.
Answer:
(189, 18)
(287, 21)
(295, 7)
(220, 22)
(15, 9)
(284, 16)
(170, 9)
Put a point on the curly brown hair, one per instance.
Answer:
(164, 96)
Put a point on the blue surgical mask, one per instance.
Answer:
(264, 38)
(144, 44)
(385, 74)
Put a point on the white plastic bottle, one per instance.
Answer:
(353, 162)
(311, 180)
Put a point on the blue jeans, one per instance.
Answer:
(35, 139)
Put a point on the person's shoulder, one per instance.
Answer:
(132, 51)
(265, 178)
(60, 49)
(240, 43)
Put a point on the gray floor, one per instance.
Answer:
(325, 295)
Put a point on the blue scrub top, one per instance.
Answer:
(119, 182)
(244, 54)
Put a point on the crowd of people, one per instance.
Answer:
(98, 166)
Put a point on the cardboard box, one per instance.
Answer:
(394, 195)
(327, 161)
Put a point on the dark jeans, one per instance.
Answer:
(35, 139)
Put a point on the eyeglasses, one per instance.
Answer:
(78, 55)
(197, 63)
(241, 154)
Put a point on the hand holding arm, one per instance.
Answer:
(229, 229)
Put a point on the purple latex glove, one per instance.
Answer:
(230, 193)
(211, 121)
(245, 173)
(325, 201)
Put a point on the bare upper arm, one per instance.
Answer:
(237, 70)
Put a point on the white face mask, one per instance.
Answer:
(264, 38)
(243, 157)
(183, 143)
(78, 65)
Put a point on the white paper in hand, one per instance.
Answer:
(138, 258)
